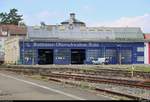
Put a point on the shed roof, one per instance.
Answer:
(84, 40)
(88, 33)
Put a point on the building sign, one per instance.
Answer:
(43, 44)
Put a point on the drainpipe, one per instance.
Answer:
(32, 52)
(23, 51)
(33, 56)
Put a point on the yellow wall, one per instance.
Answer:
(12, 52)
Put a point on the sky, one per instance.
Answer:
(109, 13)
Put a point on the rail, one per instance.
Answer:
(88, 78)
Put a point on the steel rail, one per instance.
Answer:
(103, 90)
(88, 78)
(131, 83)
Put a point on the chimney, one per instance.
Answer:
(72, 15)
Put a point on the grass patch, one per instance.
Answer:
(88, 69)
(147, 83)
(39, 77)
(140, 69)
(84, 85)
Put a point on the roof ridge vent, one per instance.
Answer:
(72, 18)
(72, 15)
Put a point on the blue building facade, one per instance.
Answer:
(72, 42)
(41, 52)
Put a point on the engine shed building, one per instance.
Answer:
(72, 42)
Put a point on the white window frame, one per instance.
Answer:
(140, 49)
(140, 58)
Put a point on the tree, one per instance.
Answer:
(4, 18)
(10, 18)
(22, 24)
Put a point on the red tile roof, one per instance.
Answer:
(13, 29)
(146, 36)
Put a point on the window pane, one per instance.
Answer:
(110, 52)
(140, 49)
(62, 54)
(140, 58)
(93, 54)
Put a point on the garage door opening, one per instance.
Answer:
(77, 56)
(45, 56)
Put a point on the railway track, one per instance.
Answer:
(89, 78)
(97, 70)
(103, 90)
(84, 77)
(131, 83)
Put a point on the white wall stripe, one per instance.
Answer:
(146, 55)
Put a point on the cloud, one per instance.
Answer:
(51, 17)
(138, 21)
(45, 16)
